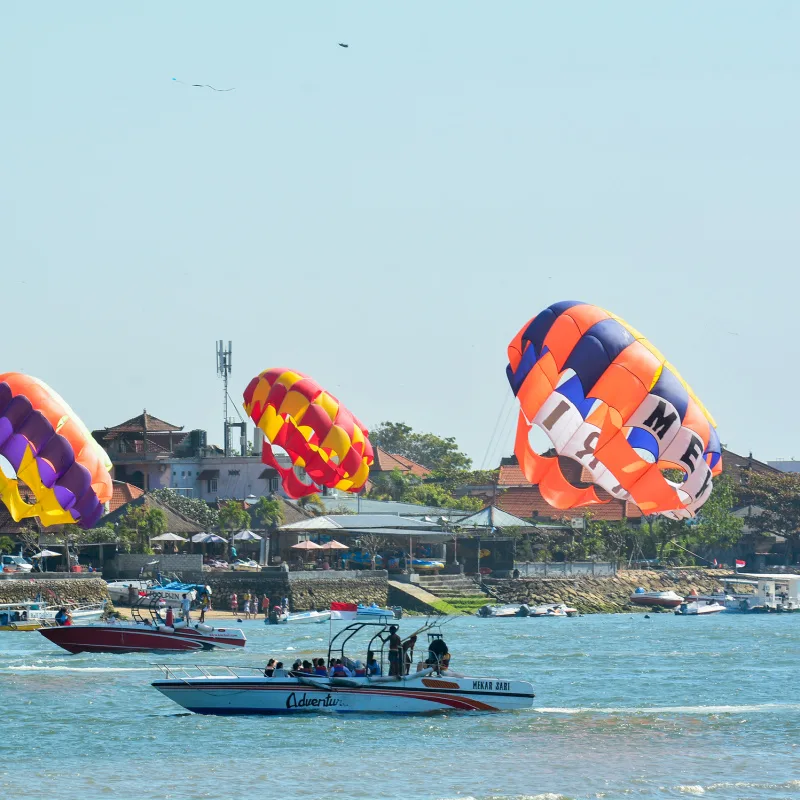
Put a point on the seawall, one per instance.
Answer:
(74, 590)
(604, 595)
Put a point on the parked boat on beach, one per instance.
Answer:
(699, 608)
(667, 599)
(229, 690)
(143, 634)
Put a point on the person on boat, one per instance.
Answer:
(319, 668)
(339, 670)
(269, 670)
(408, 653)
(170, 617)
(395, 652)
(373, 667)
(307, 668)
(186, 605)
(63, 617)
(359, 671)
(280, 672)
(438, 655)
(297, 666)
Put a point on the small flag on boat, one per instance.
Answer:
(740, 564)
(343, 610)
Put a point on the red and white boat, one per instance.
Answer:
(143, 635)
(245, 690)
(662, 599)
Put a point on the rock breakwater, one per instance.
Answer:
(604, 595)
(73, 590)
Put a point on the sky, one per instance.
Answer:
(387, 216)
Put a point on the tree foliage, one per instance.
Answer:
(312, 504)
(7, 545)
(778, 495)
(191, 507)
(427, 449)
(267, 512)
(138, 525)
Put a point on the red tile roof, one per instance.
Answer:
(386, 462)
(141, 423)
(527, 502)
(511, 474)
(122, 493)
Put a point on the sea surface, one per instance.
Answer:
(626, 707)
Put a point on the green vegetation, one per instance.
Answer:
(137, 526)
(6, 545)
(193, 508)
(267, 512)
(426, 449)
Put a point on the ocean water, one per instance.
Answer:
(626, 707)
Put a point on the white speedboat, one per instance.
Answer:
(662, 599)
(496, 612)
(699, 608)
(227, 690)
(87, 612)
(119, 591)
(553, 610)
(302, 617)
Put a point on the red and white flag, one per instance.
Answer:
(740, 564)
(344, 610)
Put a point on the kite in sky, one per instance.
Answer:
(204, 86)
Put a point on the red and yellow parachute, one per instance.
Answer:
(53, 454)
(313, 427)
(608, 399)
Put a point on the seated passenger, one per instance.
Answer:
(359, 671)
(339, 670)
(296, 665)
(269, 670)
(279, 671)
(373, 667)
(319, 669)
(307, 668)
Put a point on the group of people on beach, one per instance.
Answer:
(252, 604)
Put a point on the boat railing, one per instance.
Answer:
(186, 672)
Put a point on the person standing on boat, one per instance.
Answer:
(395, 652)
(408, 653)
(186, 606)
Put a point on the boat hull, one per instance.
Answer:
(654, 600)
(137, 639)
(305, 617)
(232, 696)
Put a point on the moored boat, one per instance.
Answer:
(142, 634)
(302, 617)
(699, 608)
(22, 617)
(374, 611)
(497, 612)
(667, 599)
(235, 690)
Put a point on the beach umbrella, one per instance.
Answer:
(212, 538)
(247, 536)
(334, 545)
(46, 554)
(307, 545)
(168, 537)
(199, 537)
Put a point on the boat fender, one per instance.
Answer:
(180, 624)
(201, 626)
(165, 629)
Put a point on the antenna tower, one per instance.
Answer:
(224, 363)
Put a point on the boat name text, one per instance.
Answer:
(489, 686)
(304, 701)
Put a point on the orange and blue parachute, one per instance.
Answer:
(317, 432)
(606, 398)
(53, 455)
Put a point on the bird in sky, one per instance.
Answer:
(204, 86)
(342, 44)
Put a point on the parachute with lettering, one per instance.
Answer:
(66, 472)
(606, 398)
(317, 432)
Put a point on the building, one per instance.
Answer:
(150, 453)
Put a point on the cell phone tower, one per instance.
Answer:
(224, 363)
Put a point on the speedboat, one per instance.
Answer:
(374, 611)
(245, 690)
(20, 617)
(552, 610)
(301, 617)
(663, 599)
(699, 608)
(142, 634)
(500, 611)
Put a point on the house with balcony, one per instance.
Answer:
(150, 453)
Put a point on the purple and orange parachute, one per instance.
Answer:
(606, 398)
(313, 427)
(53, 454)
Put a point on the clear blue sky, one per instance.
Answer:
(385, 217)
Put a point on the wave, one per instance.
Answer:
(763, 708)
(36, 668)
